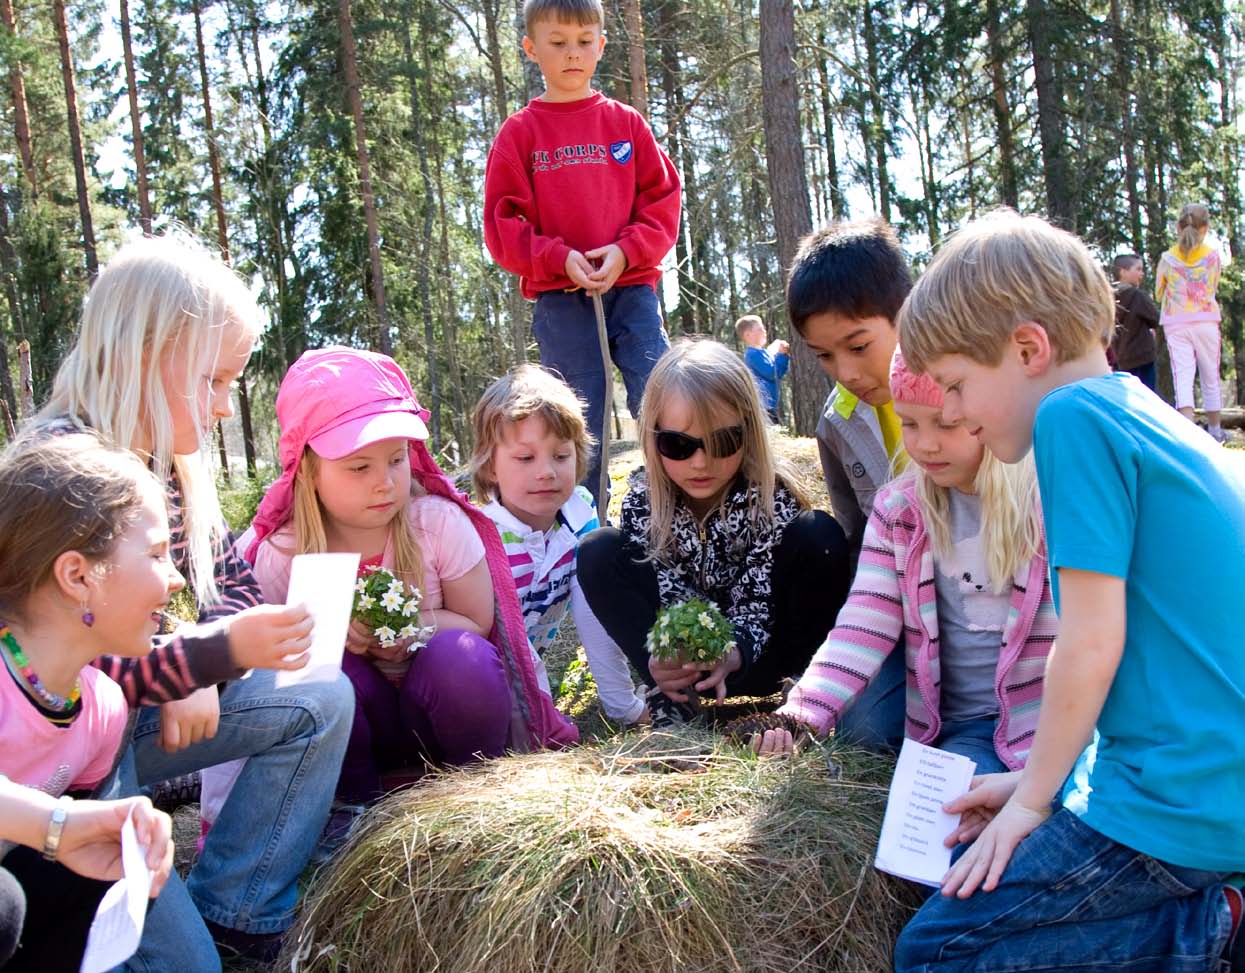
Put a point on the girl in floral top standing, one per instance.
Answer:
(715, 516)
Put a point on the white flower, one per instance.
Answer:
(397, 586)
(665, 638)
(411, 607)
(391, 600)
(706, 621)
(385, 635)
(361, 585)
(366, 602)
(408, 632)
(665, 621)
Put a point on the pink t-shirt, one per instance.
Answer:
(448, 544)
(56, 759)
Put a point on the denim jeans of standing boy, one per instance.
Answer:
(565, 327)
(247, 876)
(1073, 899)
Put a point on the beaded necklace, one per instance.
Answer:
(50, 699)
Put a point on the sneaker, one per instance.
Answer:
(1218, 434)
(343, 819)
(169, 795)
(665, 712)
(236, 945)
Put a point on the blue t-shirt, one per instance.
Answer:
(767, 369)
(1130, 489)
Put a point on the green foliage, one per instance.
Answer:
(389, 607)
(691, 631)
(577, 683)
(239, 499)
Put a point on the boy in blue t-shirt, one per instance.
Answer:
(767, 364)
(1145, 690)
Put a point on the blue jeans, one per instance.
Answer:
(565, 327)
(876, 717)
(973, 739)
(247, 876)
(1073, 899)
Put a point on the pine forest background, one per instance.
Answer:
(335, 151)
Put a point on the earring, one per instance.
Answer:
(88, 616)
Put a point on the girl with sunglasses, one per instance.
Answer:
(714, 515)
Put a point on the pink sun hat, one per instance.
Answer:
(343, 399)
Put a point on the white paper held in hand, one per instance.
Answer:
(118, 923)
(915, 825)
(325, 584)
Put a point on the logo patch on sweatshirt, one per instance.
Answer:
(620, 152)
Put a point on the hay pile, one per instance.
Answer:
(645, 853)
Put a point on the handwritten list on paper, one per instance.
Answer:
(915, 825)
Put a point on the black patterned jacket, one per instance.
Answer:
(728, 559)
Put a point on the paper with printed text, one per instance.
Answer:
(118, 923)
(915, 825)
(325, 584)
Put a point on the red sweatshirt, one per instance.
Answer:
(578, 175)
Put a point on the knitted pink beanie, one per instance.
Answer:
(909, 386)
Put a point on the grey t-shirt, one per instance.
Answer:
(970, 618)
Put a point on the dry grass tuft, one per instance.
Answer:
(643, 853)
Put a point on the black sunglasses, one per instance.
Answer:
(723, 442)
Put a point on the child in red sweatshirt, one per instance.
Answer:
(580, 200)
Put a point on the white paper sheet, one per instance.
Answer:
(325, 584)
(915, 825)
(118, 923)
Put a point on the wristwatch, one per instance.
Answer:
(52, 842)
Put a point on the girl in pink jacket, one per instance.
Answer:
(954, 563)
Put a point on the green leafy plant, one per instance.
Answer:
(390, 608)
(691, 631)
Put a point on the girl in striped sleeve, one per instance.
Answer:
(954, 561)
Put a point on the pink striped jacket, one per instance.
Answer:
(893, 594)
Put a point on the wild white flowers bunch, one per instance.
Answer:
(390, 608)
(691, 631)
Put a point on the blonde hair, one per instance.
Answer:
(1011, 514)
(747, 323)
(527, 391)
(1000, 272)
(62, 493)
(711, 379)
(1191, 227)
(157, 298)
(310, 536)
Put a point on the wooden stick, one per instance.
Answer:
(603, 497)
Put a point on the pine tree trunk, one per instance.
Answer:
(1124, 89)
(421, 143)
(636, 61)
(838, 203)
(17, 89)
(1008, 192)
(784, 158)
(682, 318)
(9, 268)
(877, 123)
(75, 138)
(136, 122)
(350, 67)
(1050, 115)
(1235, 304)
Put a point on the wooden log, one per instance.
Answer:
(1231, 418)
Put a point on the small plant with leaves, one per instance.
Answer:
(691, 631)
(390, 608)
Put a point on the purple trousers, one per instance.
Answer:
(452, 706)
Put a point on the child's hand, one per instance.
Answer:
(978, 806)
(187, 721)
(672, 677)
(579, 269)
(613, 263)
(983, 864)
(773, 743)
(91, 840)
(270, 637)
(716, 680)
(359, 638)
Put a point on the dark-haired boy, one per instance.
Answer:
(1133, 348)
(844, 292)
(575, 178)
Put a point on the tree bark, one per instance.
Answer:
(784, 158)
(636, 61)
(682, 318)
(17, 89)
(75, 138)
(25, 378)
(136, 122)
(1235, 304)
(1124, 87)
(877, 124)
(350, 67)
(838, 203)
(1050, 115)
(8, 266)
(1008, 191)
